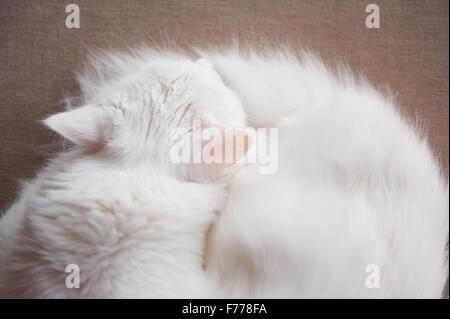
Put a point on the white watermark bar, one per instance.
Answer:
(212, 145)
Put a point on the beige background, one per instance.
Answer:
(38, 55)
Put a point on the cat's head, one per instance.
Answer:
(137, 115)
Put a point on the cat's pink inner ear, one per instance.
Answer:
(87, 126)
(225, 150)
(222, 148)
(235, 145)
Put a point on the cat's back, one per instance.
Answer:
(357, 185)
(110, 223)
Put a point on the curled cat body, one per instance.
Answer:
(357, 208)
(115, 207)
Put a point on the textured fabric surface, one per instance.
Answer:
(38, 55)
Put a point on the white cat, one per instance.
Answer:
(356, 189)
(115, 206)
(358, 207)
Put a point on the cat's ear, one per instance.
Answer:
(235, 145)
(87, 126)
(225, 147)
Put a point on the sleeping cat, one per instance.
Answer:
(115, 205)
(356, 189)
(358, 207)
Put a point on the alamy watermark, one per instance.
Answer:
(73, 279)
(226, 146)
(373, 279)
(73, 19)
(373, 19)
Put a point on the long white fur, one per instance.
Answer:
(116, 206)
(356, 185)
